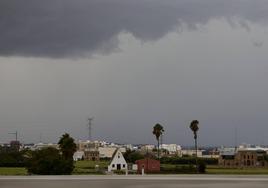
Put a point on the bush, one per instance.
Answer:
(185, 169)
(187, 160)
(133, 156)
(119, 172)
(201, 166)
(12, 159)
(48, 161)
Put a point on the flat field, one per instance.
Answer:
(244, 171)
(89, 167)
(8, 171)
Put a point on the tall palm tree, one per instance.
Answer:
(67, 146)
(158, 131)
(194, 127)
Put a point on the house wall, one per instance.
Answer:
(245, 159)
(191, 152)
(118, 159)
(92, 155)
(82, 146)
(79, 155)
(149, 165)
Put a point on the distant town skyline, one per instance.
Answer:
(133, 64)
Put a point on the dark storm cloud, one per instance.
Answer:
(71, 28)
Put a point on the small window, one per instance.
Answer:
(118, 156)
(113, 165)
(124, 166)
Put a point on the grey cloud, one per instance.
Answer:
(257, 44)
(68, 28)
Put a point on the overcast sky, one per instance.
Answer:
(131, 64)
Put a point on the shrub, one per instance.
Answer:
(48, 161)
(201, 166)
(133, 156)
(119, 172)
(186, 160)
(178, 169)
(12, 159)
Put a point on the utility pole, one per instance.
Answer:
(16, 135)
(161, 143)
(236, 139)
(40, 138)
(90, 127)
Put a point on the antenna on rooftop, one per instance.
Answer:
(235, 138)
(90, 127)
(40, 138)
(16, 135)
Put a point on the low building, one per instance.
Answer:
(244, 158)
(79, 155)
(92, 155)
(107, 152)
(15, 145)
(148, 165)
(148, 147)
(118, 162)
(191, 153)
(44, 145)
(88, 145)
(172, 149)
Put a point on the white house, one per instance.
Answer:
(78, 155)
(118, 161)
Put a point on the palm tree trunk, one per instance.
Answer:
(196, 155)
(158, 149)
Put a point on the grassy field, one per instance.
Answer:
(89, 167)
(81, 167)
(12, 171)
(218, 170)
(214, 169)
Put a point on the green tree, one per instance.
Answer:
(67, 146)
(51, 161)
(48, 161)
(11, 158)
(202, 166)
(158, 131)
(194, 127)
(132, 156)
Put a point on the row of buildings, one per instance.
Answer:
(244, 156)
(97, 150)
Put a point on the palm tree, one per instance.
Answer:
(158, 131)
(67, 146)
(194, 127)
